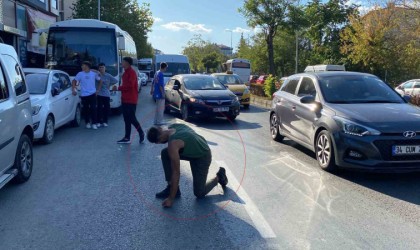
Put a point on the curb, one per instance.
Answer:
(260, 102)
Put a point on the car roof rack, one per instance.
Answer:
(324, 67)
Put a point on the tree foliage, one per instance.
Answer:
(136, 19)
(385, 42)
(200, 52)
(269, 15)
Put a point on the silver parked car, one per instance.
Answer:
(411, 87)
(16, 134)
(350, 120)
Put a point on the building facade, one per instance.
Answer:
(19, 18)
(226, 50)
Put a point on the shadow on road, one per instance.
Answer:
(224, 124)
(254, 109)
(402, 186)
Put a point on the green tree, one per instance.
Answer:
(136, 19)
(197, 49)
(211, 61)
(385, 42)
(269, 15)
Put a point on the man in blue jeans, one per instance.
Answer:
(158, 92)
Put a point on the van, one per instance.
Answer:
(16, 133)
(328, 67)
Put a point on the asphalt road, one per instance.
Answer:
(87, 192)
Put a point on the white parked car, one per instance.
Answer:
(53, 104)
(411, 87)
(16, 133)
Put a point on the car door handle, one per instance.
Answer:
(293, 108)
(66, 98)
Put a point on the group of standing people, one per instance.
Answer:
(96, 97)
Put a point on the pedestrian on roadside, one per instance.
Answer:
(129, 98)
(87, 81)
(184, 144)
(104, 95)
(158, 92)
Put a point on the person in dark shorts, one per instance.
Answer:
(184, 144)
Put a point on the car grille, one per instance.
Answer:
(218, 102)
(385, 148)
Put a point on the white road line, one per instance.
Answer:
(254, 213)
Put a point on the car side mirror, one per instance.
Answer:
(176, 87)
(308, 99)
(407, 98)
(55, 91)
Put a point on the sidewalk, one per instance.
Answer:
(260, 102)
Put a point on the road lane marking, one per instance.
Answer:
(260, 223)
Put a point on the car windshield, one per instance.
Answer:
(203, 83)
(229, 79)
(357, 89)
(37, 83)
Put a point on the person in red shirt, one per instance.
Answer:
(129, 97)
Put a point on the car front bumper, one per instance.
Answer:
(374, 153)
(202, 110)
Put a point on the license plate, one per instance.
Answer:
(223, 109)
(406, 150)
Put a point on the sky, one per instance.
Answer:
(176, 22)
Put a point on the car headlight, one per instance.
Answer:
(246, 91)
(196, 100)
(36, 109)
(353, 128)
(235, 99)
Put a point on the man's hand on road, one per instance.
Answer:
(168, 202)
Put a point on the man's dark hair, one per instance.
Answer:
(163, 65)
(101, 64)
(87, 63)
(153, 135)
(129, 60)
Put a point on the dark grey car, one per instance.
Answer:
(350, 120)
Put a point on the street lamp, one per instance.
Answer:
(231, 45)
(99, 10)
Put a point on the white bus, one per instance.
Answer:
(240, 67)
(177, 64)
(146, 66)
(73, 41)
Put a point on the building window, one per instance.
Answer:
(54, 4)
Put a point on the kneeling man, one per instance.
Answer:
(184, 144)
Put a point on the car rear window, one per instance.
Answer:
(290, 86)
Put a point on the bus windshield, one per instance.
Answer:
(67, 49)
(145, 66)
(176, 69)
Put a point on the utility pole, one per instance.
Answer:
(231, 35)
(297, 52)
(99, 10)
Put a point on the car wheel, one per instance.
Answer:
(167, 109)
(77, 117)
(48, 130)
(184, 112)
(275, 128)
(231, 118)
(116, 111)
(246, 106)
(324, 151)
(23, 159)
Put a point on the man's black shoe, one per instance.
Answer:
(124, 141)
(221, 174)
(165, 193)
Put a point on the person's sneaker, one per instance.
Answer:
(165, 193)
(124, 141)
(105, 124)
(221, 174)
(88, 126)
(98, 125)
(94, 126)
(142, 137)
